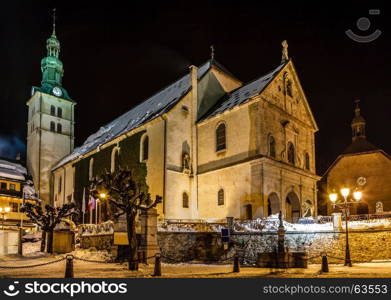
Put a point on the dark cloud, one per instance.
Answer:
(10, 146)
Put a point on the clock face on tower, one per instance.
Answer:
(57, 91)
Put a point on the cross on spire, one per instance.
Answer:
(54, 22)
(212, 52)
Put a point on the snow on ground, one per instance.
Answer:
(370, 224)
(115, 270)
(92, 254)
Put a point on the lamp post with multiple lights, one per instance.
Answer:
(344, 206)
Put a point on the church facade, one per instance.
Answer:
(209, 144)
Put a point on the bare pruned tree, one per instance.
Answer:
(126, 197)
(48, 219)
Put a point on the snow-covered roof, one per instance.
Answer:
(243, 93)
(150, 109)
(12, 170)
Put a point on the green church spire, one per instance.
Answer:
(51, 66)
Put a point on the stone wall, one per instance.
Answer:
(364, 245)
(207, 246)
(99, 242)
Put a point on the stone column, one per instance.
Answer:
(148, 242)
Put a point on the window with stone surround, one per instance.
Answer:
(59, 112)
(52, 126)
(91, 169)
(291, 153)
(185, 200)
(221, 137)
(272, 147)
(114, 159)
(144, 148)
(59, 128)
(220, 197)
(289, 88)
(60, 185)
(52, 110)
(307, 161)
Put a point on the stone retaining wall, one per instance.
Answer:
(99, 242)
(207, 246)
(364, 245)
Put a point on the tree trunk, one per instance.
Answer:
(43, 241)
(50, 242)
(131, 224)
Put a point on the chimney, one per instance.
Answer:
(17, 156)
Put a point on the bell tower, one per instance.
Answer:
(50, 126)
(358, 123)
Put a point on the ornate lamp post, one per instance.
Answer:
(344, 206)
(3, 212)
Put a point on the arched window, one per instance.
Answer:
(185, 200)
(91, 169)
(220, 197)
(114, 159)
(59, 128)
(307, 161)
(144, 148)
(272, 147)
(289, 88)
(60, 185)
(52, 126)
(221, 137)
(52, 110)
(291, 153)
(59, 112)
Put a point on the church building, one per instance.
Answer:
(361, 166)
(209, 144)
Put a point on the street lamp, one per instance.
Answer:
(103, 197)
(3, 212)
(344, 206)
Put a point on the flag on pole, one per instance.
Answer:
(83, 205)
(91, 206)
(92, 203)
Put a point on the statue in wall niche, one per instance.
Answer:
(379, 207)
(186, 164)
(285, 56)
(308, 208)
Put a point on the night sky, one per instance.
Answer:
(115, 56)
